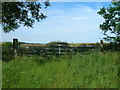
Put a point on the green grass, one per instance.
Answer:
(93, 70)
(0, 73)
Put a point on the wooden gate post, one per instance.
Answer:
(15, 46)
(101, 45)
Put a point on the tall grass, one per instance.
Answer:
(0, 74)
(92, 70)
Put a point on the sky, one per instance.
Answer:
(72, 22)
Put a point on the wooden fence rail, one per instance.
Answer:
(53, 48)
(57, 49)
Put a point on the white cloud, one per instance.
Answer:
(79, 24)
(79, 18)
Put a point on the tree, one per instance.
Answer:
(111, 25)
(15, 14)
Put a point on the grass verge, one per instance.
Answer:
(92, 70)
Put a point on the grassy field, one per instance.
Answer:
(0, 73)
(91, 70)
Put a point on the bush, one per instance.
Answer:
(112, 46)
(58, 42)
(7, 51)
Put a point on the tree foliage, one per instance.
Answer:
(111, 24)
(15, 14)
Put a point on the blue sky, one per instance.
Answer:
(73, 22)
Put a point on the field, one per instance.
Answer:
(85, 70)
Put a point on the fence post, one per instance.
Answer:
(59, 50)
(15, 46)
(101, 45)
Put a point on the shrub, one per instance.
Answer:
(112, 46)
(7, 51)
(58, 42)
